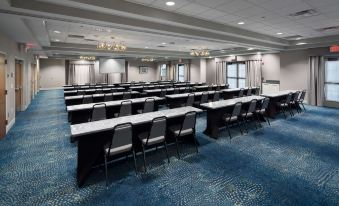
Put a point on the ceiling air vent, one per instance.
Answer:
(161, 46)
(74, 36)
(304, 14)
(331, 28)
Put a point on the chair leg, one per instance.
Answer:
(254, 121)
(267, 118)
(106, 173)
(195, 142)
(245, 123)
(135, 162)
(165, 144)
(258, 120)
(228, 130)
(176, 143)
(303, 106)
(283, 109)
(144, 155)
(239, 127)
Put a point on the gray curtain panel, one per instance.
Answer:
(220, 74)
(80, 74)
(253, 73)
(316, 80)
(188, 71)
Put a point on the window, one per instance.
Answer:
(163, 70)
(236, 74)
(181, 72)
(332, 80)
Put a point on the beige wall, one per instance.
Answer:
(12, 51)
(271, 67)
(195, 70)
(52, 73)
(133, 71)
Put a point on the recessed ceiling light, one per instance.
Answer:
(259, 53)
(298, 38)
(163, 43)
(170, 3)
(301, 43)
(241, 23)
(58, 32)
(280, 33)
(249, 49)
(146, 47)
(57, 40)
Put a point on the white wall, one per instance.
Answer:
(271, 67)
(195, 70)
(12, 51)
(52, 73)
(133, 71)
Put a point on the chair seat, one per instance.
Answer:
(143, 137)
(250, 114)
(234, 118)
(118, 150)
(260, 111)
(175, 129)
(282, 104)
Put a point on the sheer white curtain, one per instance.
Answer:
(81, 74)
(220, 72)
(188, 72)
(316, 80)
(253, 73)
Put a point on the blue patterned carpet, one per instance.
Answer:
(292, 162)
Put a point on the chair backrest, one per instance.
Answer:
(122, 135)
(80, 92)
(108, 97)
(302, 96)
(296, 96)
(99, 91)
(127, 95)
(190, 100)
(113, 90)
(98, 112)
(253, 105)
(218, 88)
(189, 121)
(149, 105)
(249, 91)
(87, 99)
(204, 98)
(209, 88)
(288, 98)
(158, 128)
(241, 92)
(236, 109)
(265, 103)
(216, 96)
(176, 90)
(187, 89)
(125, 108)
(163, 93)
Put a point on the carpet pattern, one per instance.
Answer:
(292, 162)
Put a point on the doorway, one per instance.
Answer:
(331, 82)
(33, 80)
(18, 85)
(2, 96)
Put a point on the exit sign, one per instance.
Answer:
(334, 48)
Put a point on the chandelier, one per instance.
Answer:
(199, 52)
(112, 46)
(87, 58)
(147, 59)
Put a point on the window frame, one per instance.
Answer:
(329, 82)
(237, 78)
(163, 68)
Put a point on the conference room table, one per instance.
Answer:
(77, 99)
(276, 97)
(231, 93)
(217, 110)
(92, 136)
(82, 112)
(202, 88)
(93, 91)
(142, 88)
(80, 85)
(157, 92)
(88, 87)
(177, 100)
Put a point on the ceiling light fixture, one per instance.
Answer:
(280, 33)
(200, 52)
(147, 59)
(57, 32)
(301, 43)
(112, 46)
(57, 40)
(241, 23)
(146, 47)
(249, 49)
(298, 38)
(87, 58)
(164, 43)
(170, 3)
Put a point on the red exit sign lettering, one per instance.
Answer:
(334, 48)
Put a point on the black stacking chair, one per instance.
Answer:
(113, 90)
(163, 93)
(294, 102)
(187, 90)
(216, 96)
(302, 98)
(98, 112)
(250, 114)
(148, 105)
(108, 97)
(87, 99)
(176, 91)
(203, 100)
(99, 91)
(249, 91)
(230, 119)
(185, 129)
(125, 108)
(81, 92)
(209, 88)
(127, 95)
(263, 110)
(285, 104)
(121, 143)
(218, 88)
(190, 100)
(155, 137)
(241, 92)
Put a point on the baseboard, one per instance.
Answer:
(51, 88)
(10, 125)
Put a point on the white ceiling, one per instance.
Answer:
(262, 16)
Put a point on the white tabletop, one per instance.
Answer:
(279, 94)
(93, 90)
(238, 89)
(108, 104)
(229, 102)
(99, 95)
(174, 96)
(108, 124)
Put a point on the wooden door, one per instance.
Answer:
(18, 85)
(2, 97)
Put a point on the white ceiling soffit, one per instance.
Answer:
(47, 10)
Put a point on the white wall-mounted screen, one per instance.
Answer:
(107, 66)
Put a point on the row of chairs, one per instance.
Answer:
(293, 100)
(204, 99)
(122, 138)
(99, 110)
(241, 117)
(248, 93)
(87, 99)
(97, 91)
(163, 92)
